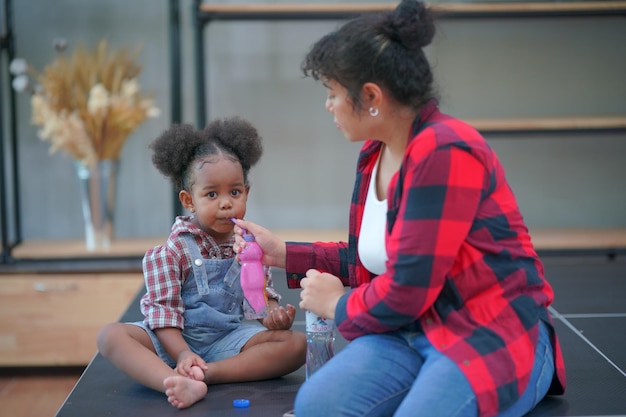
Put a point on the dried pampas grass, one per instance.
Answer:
(88, 103)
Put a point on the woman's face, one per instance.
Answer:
(346, 117)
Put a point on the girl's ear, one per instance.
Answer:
(185, 199)
(371, 95)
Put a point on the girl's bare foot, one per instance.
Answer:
(183, 392)
(196, 373)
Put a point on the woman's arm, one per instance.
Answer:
(296, 258)
(274, 249)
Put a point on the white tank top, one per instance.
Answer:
(372, 251)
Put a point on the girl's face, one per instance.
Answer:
(347, 119)
(217, 195)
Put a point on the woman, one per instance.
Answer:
(448, 312)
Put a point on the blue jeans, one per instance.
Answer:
(401, 374)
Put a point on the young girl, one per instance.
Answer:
(193, 333)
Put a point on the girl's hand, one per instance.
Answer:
(278, 318)
(188, 362)
(274, 249)
(320, 293)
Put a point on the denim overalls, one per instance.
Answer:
(213, 316)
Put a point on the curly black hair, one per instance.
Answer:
(385, 48)
(175, 150)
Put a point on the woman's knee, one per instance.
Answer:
(307, 401)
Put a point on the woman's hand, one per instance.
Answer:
(320, 293)
(279, 318)
(274, 249)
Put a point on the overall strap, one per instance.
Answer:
(197, 263)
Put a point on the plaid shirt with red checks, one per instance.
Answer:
(460, 261)
(166, 267)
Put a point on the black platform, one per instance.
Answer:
(590, 315)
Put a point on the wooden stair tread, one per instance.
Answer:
(543, 239)
(482, 7)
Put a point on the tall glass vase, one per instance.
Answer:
(97, 198)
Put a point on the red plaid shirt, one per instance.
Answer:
(461, 261)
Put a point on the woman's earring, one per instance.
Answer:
(373, 112)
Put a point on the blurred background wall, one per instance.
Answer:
(483, 67)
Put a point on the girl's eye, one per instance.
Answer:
(212, 194)
(235, 193)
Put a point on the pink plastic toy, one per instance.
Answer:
(253, 274)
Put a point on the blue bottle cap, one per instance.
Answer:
(241, 403)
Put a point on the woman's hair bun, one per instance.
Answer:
(412, 24)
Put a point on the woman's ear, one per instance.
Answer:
(185, 199)
(371, 95)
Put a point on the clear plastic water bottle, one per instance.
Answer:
(320, 341)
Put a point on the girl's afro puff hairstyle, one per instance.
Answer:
(177, 147)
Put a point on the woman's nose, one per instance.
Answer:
(328, 105)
